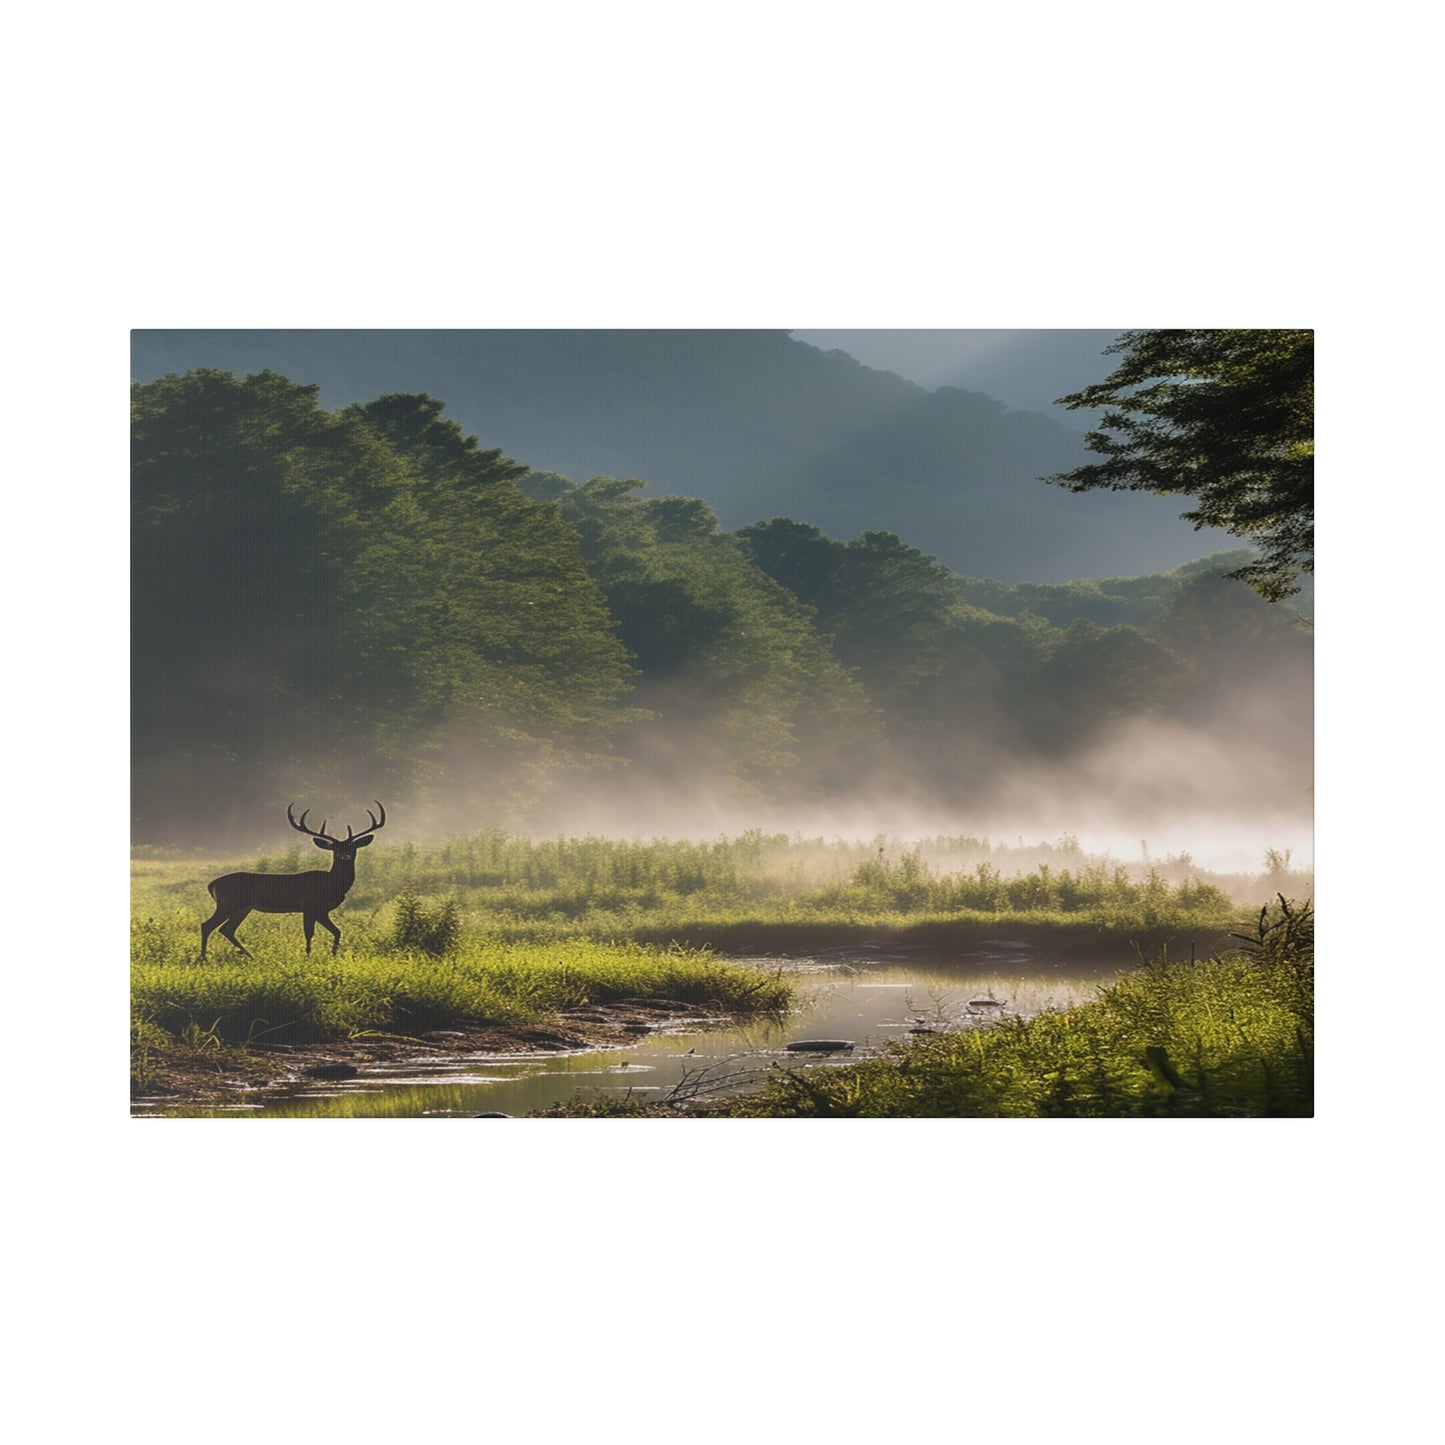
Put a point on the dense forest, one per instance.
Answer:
(368, 602)
(756, 423)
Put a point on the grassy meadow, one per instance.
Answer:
(498, 930)
(777, 890)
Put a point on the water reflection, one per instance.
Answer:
(870, 1001)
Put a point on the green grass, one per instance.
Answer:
(750, 891)
(283, 996)
(499, 930)
(1229, 1037)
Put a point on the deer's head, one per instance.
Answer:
(343, 848)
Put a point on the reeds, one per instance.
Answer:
(729, 892)
(1232, 1036)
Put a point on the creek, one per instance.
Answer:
(869, 997)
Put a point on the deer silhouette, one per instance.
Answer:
(313, 895)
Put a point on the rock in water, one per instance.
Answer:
(330, 1071)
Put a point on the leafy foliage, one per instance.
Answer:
(347, 603)
(1225, 417)
(731, 666)
(368, 603)
(1111, 602)
(755, 422)
(432, 930)
(955, 684)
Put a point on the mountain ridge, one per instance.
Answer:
(756, 423)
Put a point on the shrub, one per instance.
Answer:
(435, 931)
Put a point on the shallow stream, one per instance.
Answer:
(865, 997)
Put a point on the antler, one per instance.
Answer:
(375, 822)
(350, 836)
(302, 828)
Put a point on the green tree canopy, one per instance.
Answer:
(356, 603)
(520, 643)
(957, 686)
(1236, 641)
(1225, 417)
(887, 607)
(732, 668)
(366, 602)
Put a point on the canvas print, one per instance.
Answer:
(722, 724)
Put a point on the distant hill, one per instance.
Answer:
(754, 422)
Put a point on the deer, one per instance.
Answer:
(313, 894)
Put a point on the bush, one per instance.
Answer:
(434, 931)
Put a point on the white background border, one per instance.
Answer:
(778, 165)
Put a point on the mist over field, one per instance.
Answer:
(1157, 789)
(361, 600)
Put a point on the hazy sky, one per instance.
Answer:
(1026, 370)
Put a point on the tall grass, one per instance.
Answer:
(731, 891)
(1233, 1036)
(585, 873)
(279, 997)
(1099, 893)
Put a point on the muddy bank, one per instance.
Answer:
(194, 1076)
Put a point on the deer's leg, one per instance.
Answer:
(308, 924)
(210, 923)
(332, 929)
(229, 927)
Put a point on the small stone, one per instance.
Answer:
(330, 1071)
